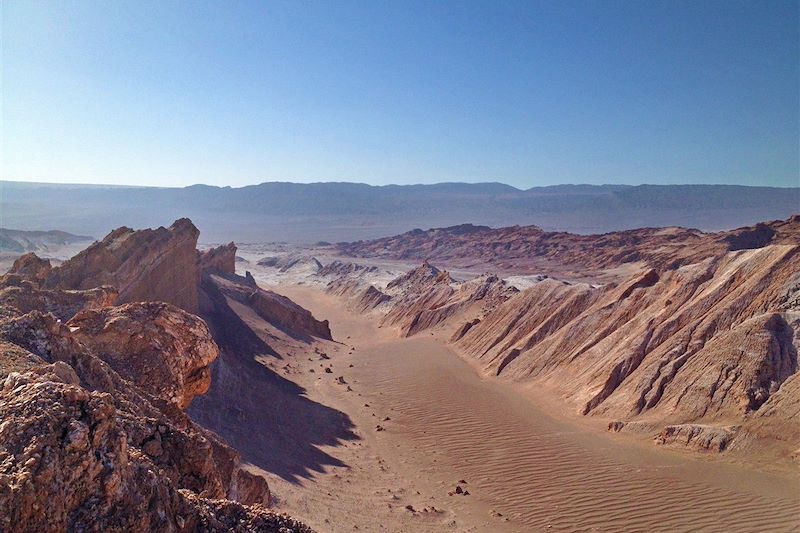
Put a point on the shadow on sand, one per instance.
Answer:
(266, 417)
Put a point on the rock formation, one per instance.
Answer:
(70, 462)
(144, 265)
(221, 259)
(93, 434)
(218, 290)
(31, 267)
(698, 335)
(526, 247)
(24, 296)
(293, 263)
(160, 348)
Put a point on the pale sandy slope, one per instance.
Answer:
(535, 471)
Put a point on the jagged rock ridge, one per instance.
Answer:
(524, 246)
(701, 339)
(93, 434)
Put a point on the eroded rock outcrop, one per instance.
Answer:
(274, 308)
(24, 296)
(185, 453)
(696, 336)
(31, 267)
(93, 436)
(160, 348)
(430, 301)
(220, 259)
(710, 342)
(698, 437)
(531, 247)
(143, 265)
(68, 463)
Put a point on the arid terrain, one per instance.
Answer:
(403, 267)
(457, 379)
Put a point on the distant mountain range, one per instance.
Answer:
(293, 212)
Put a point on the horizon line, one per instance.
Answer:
(286, 182)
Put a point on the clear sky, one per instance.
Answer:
(527, 93)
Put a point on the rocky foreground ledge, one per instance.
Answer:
(93, 434)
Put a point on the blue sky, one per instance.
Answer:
(527, 93)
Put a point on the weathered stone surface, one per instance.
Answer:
(25, 297)
(221, 259)
(160, 348)
(144, 265)
(67, 463)
(31, 267)
(283, 312)
(274, 308)
(698, 437)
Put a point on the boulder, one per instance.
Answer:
(162, 349)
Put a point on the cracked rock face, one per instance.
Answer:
(67, 463)
(162, 349)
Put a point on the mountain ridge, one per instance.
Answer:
(339, 211)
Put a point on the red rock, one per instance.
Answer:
(32, 268)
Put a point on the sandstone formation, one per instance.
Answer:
(32, 268)
(69, 463)
(523, 247)
(338, 269)
(218, 291)
(420, 299)
(221, 259)
(699, 337)
(144, 265)
(301, 263)
(24, 296)
(160, 348)
(93, 434)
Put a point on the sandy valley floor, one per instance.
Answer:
(427, 423)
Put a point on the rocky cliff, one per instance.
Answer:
(93, 434)
(144, 265)
(220, 259)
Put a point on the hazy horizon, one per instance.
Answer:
(410, 184)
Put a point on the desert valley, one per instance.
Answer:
(462, 378)
(467, 266)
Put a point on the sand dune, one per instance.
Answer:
(526, 469)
